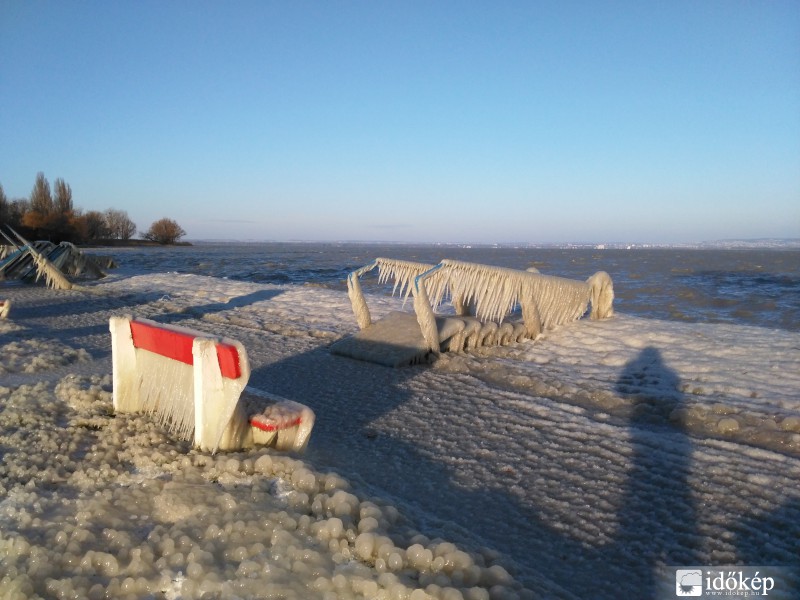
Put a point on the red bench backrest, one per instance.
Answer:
(177, 345)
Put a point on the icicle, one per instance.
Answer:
(496, 291)
(558, 300)
(402, 272)
(492, 293)
(166, 389)
(44, 268)
(53, 278)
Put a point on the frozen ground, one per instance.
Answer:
(581, 465)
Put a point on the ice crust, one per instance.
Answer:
(579, 464)
(112, 506)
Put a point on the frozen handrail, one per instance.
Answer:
(422, 306)
(55, 263)
(401, 271)
(193, 382)
(54, 278)
(496, 291)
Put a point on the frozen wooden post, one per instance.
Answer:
(425, 315)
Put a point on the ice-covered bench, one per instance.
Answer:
(195, 384)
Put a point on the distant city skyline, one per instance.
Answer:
(525, 122)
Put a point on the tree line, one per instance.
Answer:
(51, 215)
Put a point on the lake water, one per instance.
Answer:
(744, 286)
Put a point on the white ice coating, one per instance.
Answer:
(490, 293)
(581, 465)
(52, 263)
(46, 270)
(496, 291)
(112, 507)
(401, 272)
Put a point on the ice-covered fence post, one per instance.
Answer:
(530, 316)
(425, 316)
(356, 295)
(602, 295)
(463, 309)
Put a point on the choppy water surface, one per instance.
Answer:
(752, 287)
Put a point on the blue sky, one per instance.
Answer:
(412, 121)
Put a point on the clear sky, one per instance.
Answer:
(461, 121)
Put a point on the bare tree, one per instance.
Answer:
(63, 199)
(119, 224)
(41, 200)
(96, 225)
(164, 231)
(18, 209)
(5, 207)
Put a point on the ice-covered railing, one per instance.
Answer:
(53, 277)
(44, 260)
(489, 293)
(402, 272)
(494, 292)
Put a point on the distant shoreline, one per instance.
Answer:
(110, 243)
(727, 244)
(754, 244)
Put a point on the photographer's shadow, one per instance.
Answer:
(658, 489)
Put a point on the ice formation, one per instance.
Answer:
(402, 272)
(44, 260)
(570, 468)
(109, 508)
(44, 268)
(496, 291)
(192, 384)
(490, 293)
(38, 355)
(279, 422)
